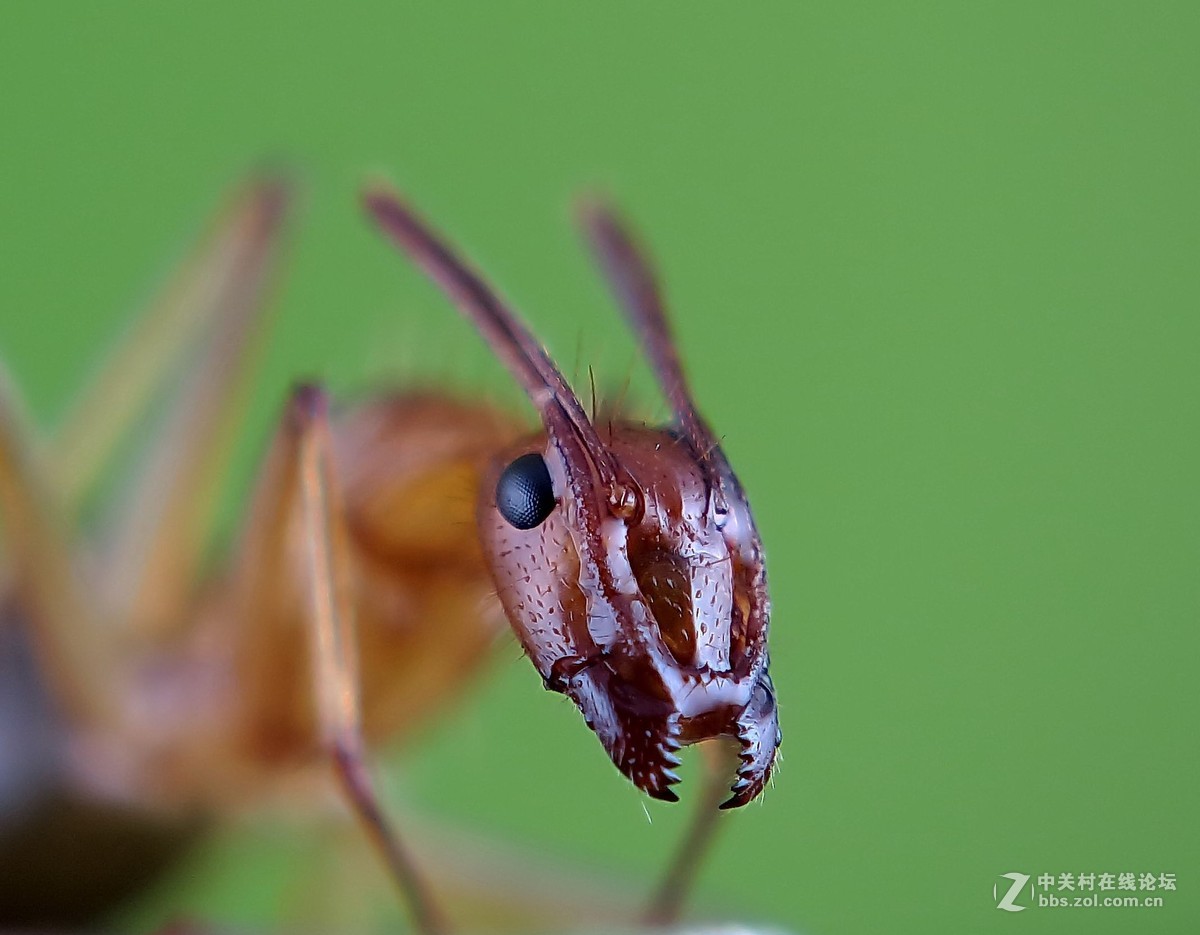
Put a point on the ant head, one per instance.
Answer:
(628, 563)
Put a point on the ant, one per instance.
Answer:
(364, 588)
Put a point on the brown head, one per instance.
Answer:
(627, 560)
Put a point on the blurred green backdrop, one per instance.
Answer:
(934, 269)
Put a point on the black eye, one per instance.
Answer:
(524, 494)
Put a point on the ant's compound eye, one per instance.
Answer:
(524, 494)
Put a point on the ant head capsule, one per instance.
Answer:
(625, 557)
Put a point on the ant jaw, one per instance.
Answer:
(641, 734)
(759, 736)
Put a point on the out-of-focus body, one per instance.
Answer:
(222, 716)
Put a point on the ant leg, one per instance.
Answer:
(149, 570)
(41, 485)
(667, 903)
(334, 656)
(70, 644)
(122, 387)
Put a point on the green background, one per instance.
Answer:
(934, 271)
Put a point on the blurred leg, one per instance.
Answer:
(157, 542)
(667, 903)
(124, 385)
(79, 660)
(333, 649)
